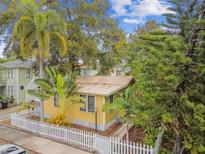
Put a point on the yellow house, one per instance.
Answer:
(97, 90)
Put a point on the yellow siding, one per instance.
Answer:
(109, 116)
(74, 113)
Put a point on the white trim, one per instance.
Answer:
(17, 87)
(29, 73)
(86, 102)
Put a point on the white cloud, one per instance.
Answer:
(142, 8)
(133, 21)
(149, 7)
(119, 6)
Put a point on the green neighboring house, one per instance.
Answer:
(14, 79)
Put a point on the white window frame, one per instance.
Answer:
(10, 73)
(86, 103)
(94, 103)
(10, 91)
(28, 75)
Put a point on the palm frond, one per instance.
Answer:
(41, 95)
(21, 27)
(56, 22)
(60, 84)
(70, 86)
(60, 43)
(40, 21)
(45, 85)
(27, 2)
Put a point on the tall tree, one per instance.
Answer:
(37, 31)
(189, 18)
(94, 37)
(159, 69)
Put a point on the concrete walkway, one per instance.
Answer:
(122, 131)
(6, 113)
(37, 144)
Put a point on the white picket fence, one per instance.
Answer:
(81, 139)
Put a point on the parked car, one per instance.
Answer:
(11, 149)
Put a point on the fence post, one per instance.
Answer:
(95, 142)
(109, 147)
(158, 141)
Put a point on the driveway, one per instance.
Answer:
(37, 144)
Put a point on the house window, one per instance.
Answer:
(10, 91)
(28, 73)
(111, 99)
(21, 87)
(91, 103)
(83, 101)
(10, 73)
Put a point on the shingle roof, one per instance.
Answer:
(102, 85)
(17, 64)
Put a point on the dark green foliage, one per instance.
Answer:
(158, 68)
(169, 71)
(93, 37)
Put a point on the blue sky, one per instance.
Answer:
(130, 14)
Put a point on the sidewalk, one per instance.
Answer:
(35, 143)
(5, 113)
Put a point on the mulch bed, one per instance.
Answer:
(136, 135)
(109, 132)
(167, 145)
(2, 141)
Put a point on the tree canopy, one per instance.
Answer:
(169, 70)
(93, 37)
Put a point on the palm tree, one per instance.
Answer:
(62, 89)
(51, 85)
(38, 31)
(123, 104)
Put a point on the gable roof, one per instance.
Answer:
(102, 85)
(17, 64)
